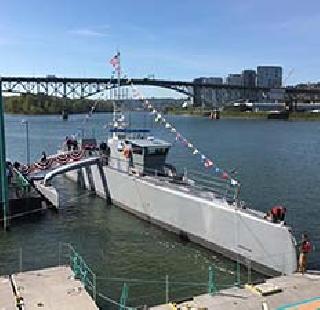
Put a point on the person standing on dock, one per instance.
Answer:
(43, 158)
(9, 171)
(305, 249)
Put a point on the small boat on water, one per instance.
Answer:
(282, 115)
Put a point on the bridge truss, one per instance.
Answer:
(79, 88)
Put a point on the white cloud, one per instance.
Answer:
(87, 32)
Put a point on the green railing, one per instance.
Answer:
(19, 179)
(79, 267)
(116, 291)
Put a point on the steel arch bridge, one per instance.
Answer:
(79, 88)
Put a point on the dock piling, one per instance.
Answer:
(167, 288)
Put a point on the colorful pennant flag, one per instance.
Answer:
(159, 118)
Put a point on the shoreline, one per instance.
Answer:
(293, 116)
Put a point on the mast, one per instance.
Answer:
(119, 74)
(117, 67)
(117, 113)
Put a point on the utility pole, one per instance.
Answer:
(3, 175)
(26, 123)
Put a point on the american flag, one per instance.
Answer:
(115, 60)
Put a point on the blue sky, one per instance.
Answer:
(173, 39)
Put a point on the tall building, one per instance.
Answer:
(249, 78)
(269, 76)
(234, 79)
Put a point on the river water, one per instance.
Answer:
(276, 162)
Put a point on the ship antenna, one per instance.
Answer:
(119, 74)
(116, 101)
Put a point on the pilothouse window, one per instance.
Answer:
(157, 151)
(137, 150)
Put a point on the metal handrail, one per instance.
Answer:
(21, 180)
(79, 267)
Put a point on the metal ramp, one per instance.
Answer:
(42, 184)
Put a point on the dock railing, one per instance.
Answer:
(18, 185)
(68, 255)
(120, 292)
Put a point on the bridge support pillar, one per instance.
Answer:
(198, 93)
(3, 176)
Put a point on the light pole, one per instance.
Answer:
(26, 123)
(4, 203)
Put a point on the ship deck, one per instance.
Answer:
(210, 196)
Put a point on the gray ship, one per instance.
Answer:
(130, 170)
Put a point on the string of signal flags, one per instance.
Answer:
(160, 119)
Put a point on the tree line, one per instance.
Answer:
(43, 104)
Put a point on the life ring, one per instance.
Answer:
(76, 155)
(127, 153)
(43, 165)
(62, 159)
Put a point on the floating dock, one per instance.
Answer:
(291, 292)
(51, 288)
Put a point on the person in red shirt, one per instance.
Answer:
(278, 213)
(305, 249)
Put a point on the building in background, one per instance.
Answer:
(249, 78)
(234, 79)
(269, 76)
(209, 80)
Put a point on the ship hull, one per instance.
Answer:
(268, 248)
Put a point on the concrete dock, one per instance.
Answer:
(51, 288)
(294, 292)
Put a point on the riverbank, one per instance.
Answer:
(49, 105)
(233, 114)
